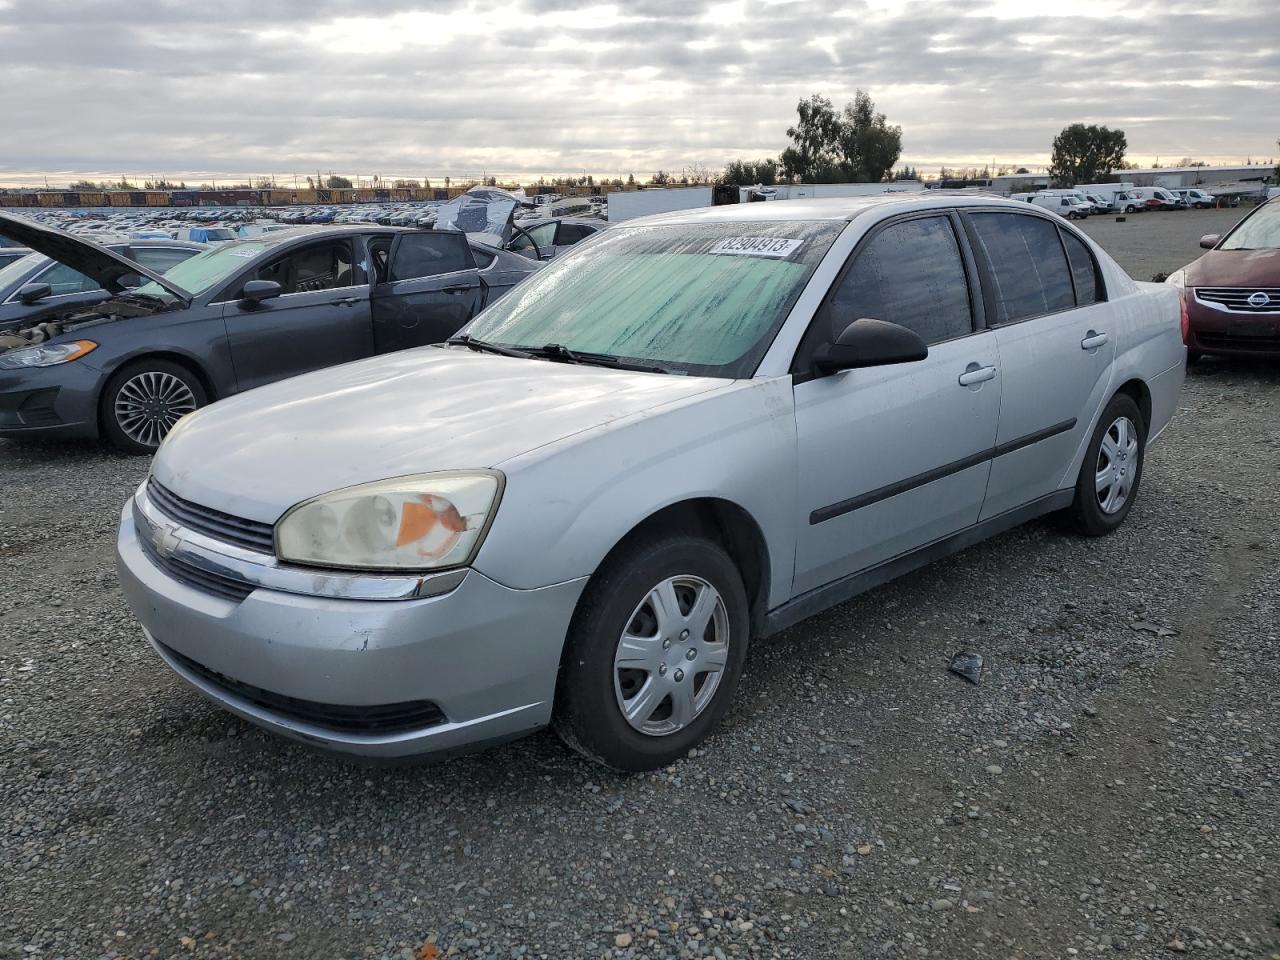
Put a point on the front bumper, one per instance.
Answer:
(486, 655)
(1218, 330)
(61, 400)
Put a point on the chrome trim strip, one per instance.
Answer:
(264, 570)
(1244, 308)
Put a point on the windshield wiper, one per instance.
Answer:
(483, 346)
(556, 351)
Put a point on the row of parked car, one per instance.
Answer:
(1076, 204)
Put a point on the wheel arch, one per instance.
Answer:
(1141, 394)
(724, 522)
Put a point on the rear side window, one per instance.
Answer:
(1028, 265)
(571, 233)
(1084, 271)
(910, 273)
(429, 254)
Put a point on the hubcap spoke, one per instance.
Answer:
(714, 657)
(638, 653)
(683, 709)
(703, 609)
(641, 707)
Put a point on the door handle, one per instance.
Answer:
(976, 374)
(460, 288)
(345, 301)
(1094, 340)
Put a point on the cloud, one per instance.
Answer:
(462, 87)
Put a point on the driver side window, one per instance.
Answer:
(912, 274)
(322, 266)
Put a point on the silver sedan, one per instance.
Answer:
(681, 437)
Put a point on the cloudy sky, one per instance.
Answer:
(528, 87)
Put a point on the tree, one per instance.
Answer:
(1277, 173)
(337, 183)
(749, 173)
(855, 145)
(631, 179)
(1083, 154)
(908, 172)
(869, 146)
(661, 178)
(1022, 170)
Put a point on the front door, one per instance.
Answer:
(428, 288)
(321, 317)
(1057, 344)
(895, 457)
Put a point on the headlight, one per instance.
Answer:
(46, 354)
(411, 523)
(1178, 278)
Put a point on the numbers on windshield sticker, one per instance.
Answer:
(776, 248)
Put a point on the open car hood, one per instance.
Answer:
(97, 263)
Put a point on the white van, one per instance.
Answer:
(1065, 205)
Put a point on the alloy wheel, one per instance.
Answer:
(671, 656)
(149, 404)
(1117, 465)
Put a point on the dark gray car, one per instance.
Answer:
(35, 284)
(237, 316)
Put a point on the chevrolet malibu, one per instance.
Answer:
(684, 435)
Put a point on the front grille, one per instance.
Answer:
(1227, 341)
(220, 585)
(1237, 298)
(250, 534)
(379, 718)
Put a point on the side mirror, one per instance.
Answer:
(32, 292)
(255, 291)
(870, 343)
(1210, 240)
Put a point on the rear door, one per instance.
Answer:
(1045, 300)
(320, 319)
(892, 458)
(427, 289)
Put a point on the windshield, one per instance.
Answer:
(701, 298)
(204, 270)
(1261, 231)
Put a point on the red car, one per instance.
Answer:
(1231, 295)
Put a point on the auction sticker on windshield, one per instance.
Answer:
(774, 247)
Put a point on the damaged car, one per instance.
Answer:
(37, 284)
(237, 316)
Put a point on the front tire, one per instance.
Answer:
(143, 401)
(654, 653)
(1112, 470)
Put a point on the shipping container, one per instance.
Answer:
(157, 198)
(50, 199)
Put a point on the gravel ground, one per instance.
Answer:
(1112, 786)
(1161, 242)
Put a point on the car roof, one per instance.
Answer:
(831, 208)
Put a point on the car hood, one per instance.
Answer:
(1235, 268)
(259, 453)
(101, 265)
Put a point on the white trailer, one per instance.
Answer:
(628, 204)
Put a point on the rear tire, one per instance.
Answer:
(143, 401)
(1112, 470)
(631, 693)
